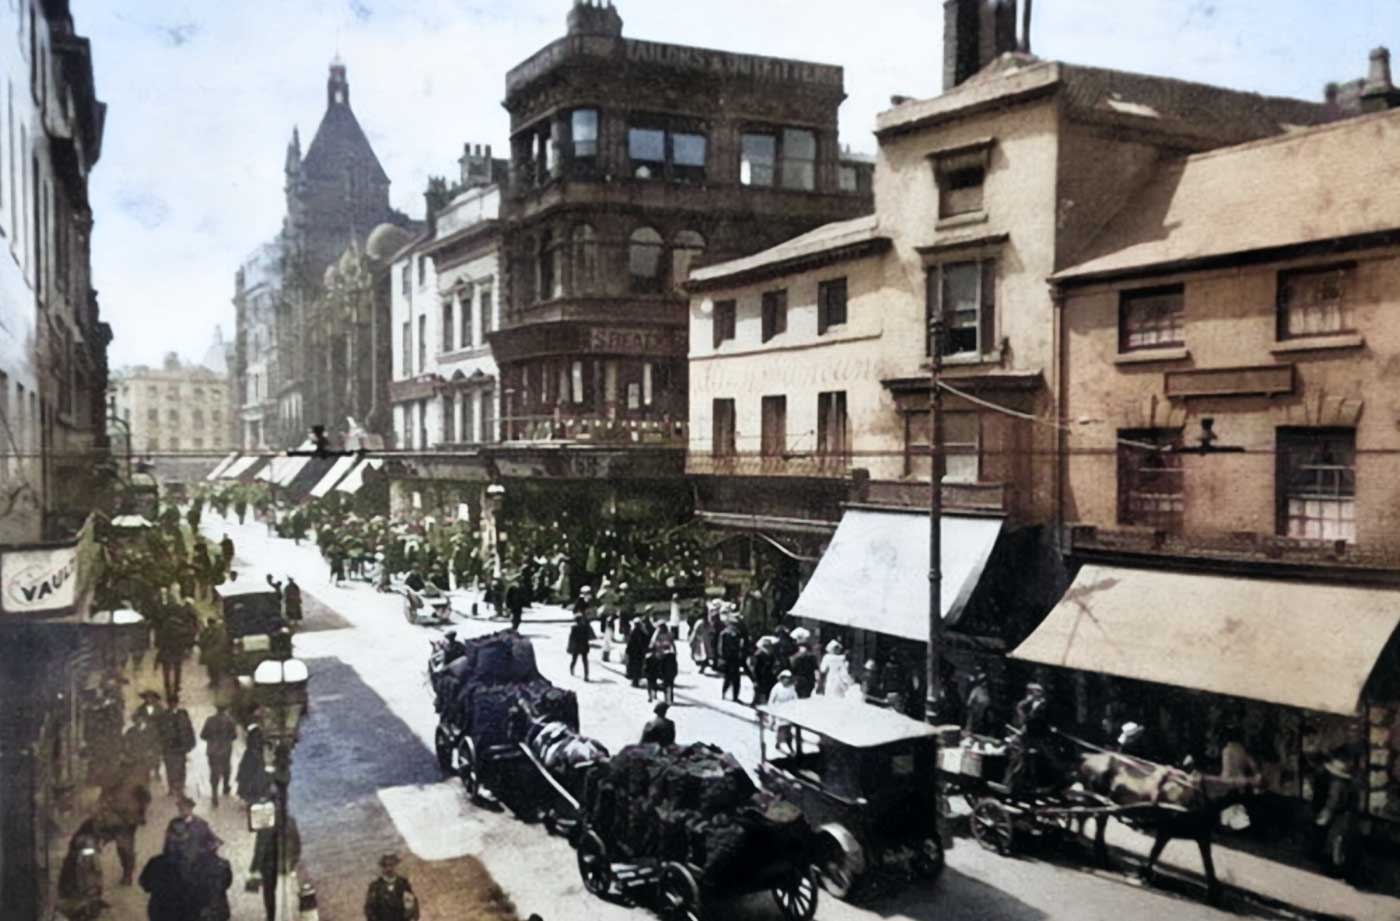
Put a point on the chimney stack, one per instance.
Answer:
(975, 33)
(1379, 93)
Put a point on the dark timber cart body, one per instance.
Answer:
(685, 827)
(480, 721)
(864, 777)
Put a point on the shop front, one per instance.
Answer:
(1306, 675)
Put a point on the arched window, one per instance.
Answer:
(585, 245)
(687, 247)
(644, 250)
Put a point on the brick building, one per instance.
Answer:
(632, 161)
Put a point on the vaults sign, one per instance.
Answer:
(39, 581)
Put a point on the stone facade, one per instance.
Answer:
(177, 414)
(289, 372)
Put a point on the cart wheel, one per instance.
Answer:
(442, 743)
(797, 898)
(593, 864)
(837, 869)
(928, 858)
(467, 769)
(993, 826)
(678, 894)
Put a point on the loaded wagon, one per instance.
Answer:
(864, 777)
(685, 827)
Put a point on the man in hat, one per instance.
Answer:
(390, 896)
(144, 735)
(187, 836)
(291, 600)
(804, 665)
(219, 733)
(1028, 758)
(176, 742)
(731, 658)
(763, 666)
(661, 730)
(978, 706)
(452, 648)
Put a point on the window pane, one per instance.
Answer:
(646, 145)
(799, 159)
(758, 160)
(1314, 302)
(1152, 319)
(688, 149)
(584, 128)
(961, 296)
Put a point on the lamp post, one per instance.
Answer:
(279, 687)
(933, 677)
(495, 499)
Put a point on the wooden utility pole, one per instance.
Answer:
(933, 678)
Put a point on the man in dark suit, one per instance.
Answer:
(661, 730)
(390, 896)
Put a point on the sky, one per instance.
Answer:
(203, 94)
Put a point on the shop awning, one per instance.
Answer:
(239, 467)
(355, 479)
(874, 574)
(1298, 644)
(223, 465)
(339, 469)
(291, 466)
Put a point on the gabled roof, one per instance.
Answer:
(1330, 183)
(339, 143)
(840, 240)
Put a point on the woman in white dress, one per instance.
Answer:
(834, 673)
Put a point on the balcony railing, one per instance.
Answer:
(660, 431)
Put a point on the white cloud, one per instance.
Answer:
(203, 97)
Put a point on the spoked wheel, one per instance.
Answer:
(442, 744)
(993, 826)
(678, 894)
(838, 870)
(467, 768)
(928, 858)
(593, 866)
(797, 898)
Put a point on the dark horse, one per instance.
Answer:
(1165, 801)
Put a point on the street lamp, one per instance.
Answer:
(933, 677)
(495, 499)
(279, 687)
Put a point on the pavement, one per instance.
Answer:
(365, 781)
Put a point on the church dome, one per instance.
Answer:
(386, 240)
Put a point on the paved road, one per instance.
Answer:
(365, 781)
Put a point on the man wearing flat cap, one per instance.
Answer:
(390, 897)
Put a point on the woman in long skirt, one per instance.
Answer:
(637, 643)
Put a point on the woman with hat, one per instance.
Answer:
(390, 896)
(636, 652)
(663, 656)
(580, 640)
(763, 667)
(701, 640)
(834, 673)
(783, 692)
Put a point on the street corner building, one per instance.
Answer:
(57, 476)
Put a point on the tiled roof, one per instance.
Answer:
(1332, 182)
(823, 240)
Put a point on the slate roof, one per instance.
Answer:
(1211, 114)
(1327, 183)
(339, 143)
(792, 254)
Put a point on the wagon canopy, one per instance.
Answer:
(1299, 644)
(852, 723)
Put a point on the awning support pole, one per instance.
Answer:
(933, 679)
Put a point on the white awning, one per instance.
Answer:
(240, 467)
(874, 575)
(355, 479)
(1299, 644)
(221, 467)
(291, 466)
(339, 469)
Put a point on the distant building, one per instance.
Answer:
(177, 416)
(446, 302)
(336, 194)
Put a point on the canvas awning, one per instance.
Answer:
(223, 465)
(239, 467)
(355, 479)
(339, 469)
(1298, 644)
(874, 574)
(291, 466)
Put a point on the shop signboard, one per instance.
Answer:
(51, 580)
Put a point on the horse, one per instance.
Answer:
(1168, 802)
(121, 809)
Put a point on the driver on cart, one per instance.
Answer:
(452, 648)
(1033, 765)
